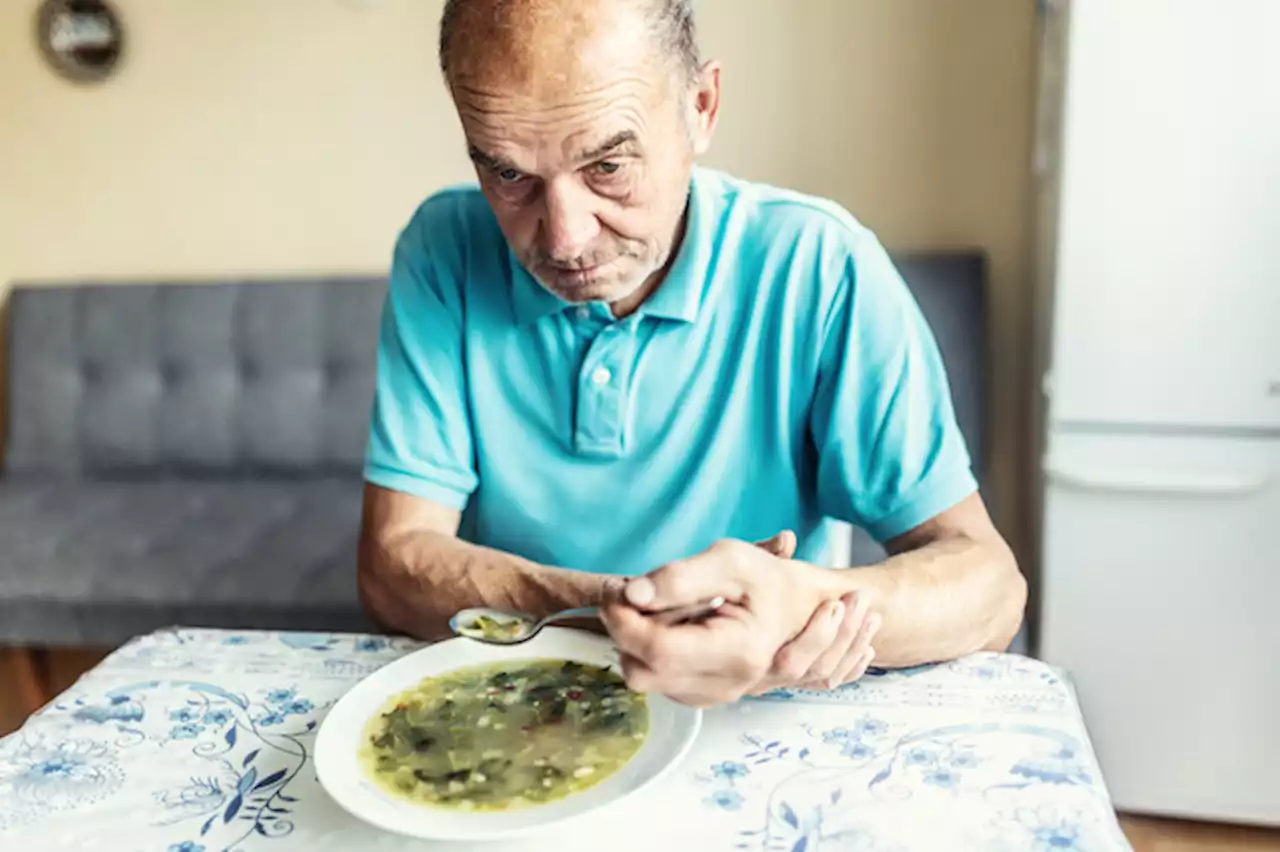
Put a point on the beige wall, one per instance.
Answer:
(242, 136)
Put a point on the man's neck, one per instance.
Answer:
(626, 307)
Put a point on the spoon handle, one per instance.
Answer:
(675, 615)
(580, 612)
(692, 612)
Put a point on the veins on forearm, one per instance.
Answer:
(423, 578)
(942, 599)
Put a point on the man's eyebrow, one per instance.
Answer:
(488, 161)
(617, 140)
(498, 164)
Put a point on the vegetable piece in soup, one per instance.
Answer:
(505, 735)
(489, 627)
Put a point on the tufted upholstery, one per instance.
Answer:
(191, 379)
(190, 453)
(184, 453)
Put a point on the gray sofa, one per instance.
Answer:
(184, 453)
(190, 453)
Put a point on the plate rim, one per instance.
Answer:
(327, 783)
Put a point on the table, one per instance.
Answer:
(200, 740)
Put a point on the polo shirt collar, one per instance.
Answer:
(677, 298)
(530, 300)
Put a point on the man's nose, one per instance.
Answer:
(569, 221)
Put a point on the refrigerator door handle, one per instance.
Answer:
(1154, 481)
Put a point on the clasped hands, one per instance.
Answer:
(781, 625)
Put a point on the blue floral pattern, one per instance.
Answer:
(729, 770)
(859, 742)
(201, 741)
(878, 779)
(51, 774)
(729, 800)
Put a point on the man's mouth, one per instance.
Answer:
(577, 272)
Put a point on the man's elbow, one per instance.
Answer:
(374, 587)
(1010, 605)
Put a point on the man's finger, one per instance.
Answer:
(696, 690)
(837, 653)
(861, 654)
(685, 582)
(794, 659)
(697, 648)
(856, 669)
(782, 545)
(612, 591)
(866, 632)
(639, 677)
(631, 631)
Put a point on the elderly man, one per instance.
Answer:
(605, 362)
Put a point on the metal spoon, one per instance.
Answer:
(499, 627)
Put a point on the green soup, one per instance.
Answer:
(505, 735)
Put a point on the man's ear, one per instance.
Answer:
(704, 106)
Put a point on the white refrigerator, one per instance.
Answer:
(1158, 257)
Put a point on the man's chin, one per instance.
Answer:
(580, 289)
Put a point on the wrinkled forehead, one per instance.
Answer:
(564, 128)
(559, 107)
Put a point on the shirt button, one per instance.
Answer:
(601, 376)
(584, 312)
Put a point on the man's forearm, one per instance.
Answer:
(412, 583)
(952, 597)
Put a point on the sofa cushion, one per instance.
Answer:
(99, 562)
(193, 379)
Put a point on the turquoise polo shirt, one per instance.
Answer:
(780, 377)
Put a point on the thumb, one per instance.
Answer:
(686, 582)
(782, 545)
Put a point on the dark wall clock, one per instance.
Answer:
(81, 39)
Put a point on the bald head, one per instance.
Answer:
(474, 34)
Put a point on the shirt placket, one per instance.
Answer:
(603, 392)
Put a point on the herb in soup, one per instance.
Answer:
(489, 627)
(505, 735)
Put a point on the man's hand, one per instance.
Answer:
(770, 600)
(834, 649)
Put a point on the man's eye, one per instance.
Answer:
(608, 168)
(509, 175)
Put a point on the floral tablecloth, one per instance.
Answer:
(200, 740)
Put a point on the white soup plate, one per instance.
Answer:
(672, 730)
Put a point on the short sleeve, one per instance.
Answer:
(420, 439)
(890, 452)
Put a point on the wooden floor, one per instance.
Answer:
(1152, 835)
(61, 668)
